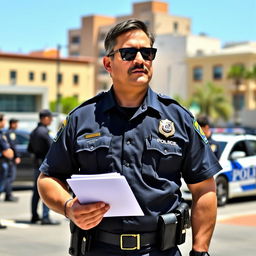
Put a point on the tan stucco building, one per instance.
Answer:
(88, 40)
(215, 67)
(29, 82)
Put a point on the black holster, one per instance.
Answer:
(172, 227)
(80, 240)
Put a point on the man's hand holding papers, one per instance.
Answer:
(103, 188)
(86, 216)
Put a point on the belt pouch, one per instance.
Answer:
(167, 226)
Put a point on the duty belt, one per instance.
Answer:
(127, 241)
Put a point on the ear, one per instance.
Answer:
(107, 63)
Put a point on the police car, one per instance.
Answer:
(238, 160)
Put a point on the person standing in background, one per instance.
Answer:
(203, 121)
(6, 154)
(39, 144)
(12, 168)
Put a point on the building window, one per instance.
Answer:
(175, 26)
(74, 54)
(102, 53)
(199, 52)
(217, 72)
(198, 74)
(59, 78)
(75, 79)
(102, 36)
(44, 77)
(75, 39)
(238, 101)
(31, 76)
(13, 76)
(18, 103)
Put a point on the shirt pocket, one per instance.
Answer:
(163, 158)
(94, 154)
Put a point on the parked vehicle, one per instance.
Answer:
(25, 171)
(238, 160)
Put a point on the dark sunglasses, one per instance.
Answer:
(129, 54)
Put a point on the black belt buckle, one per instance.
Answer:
(134, 237)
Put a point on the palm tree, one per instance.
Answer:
(238, 74)
(251, 74)
(212, 101)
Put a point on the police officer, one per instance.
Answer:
(39, 144)
(6, 154)
(203, 121)
(146, 137)
(12, 170)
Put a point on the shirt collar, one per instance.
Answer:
(151, 101)
(108, 101)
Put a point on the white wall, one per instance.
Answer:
(170, 67)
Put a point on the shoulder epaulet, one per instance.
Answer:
(168, 99)
(87, 102)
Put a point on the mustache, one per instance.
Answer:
(138, 66)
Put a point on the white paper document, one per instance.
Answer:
(111, 188)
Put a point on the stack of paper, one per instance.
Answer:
(111, 188)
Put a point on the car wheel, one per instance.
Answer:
(222, 190)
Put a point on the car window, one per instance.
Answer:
(22, 139)
(240, 146)
(252, 145)
(222, 145)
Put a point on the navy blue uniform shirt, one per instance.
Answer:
(99, 137)
(12, 139)
(3, 144)
(40, 141)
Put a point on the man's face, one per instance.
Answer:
(207, 131)
(134, 73)
(47, 120)
(14, 125)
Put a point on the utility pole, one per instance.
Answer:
(58, 80)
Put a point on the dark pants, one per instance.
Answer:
(108, 250)
(11, 176)
(36, 197)
(3, 175)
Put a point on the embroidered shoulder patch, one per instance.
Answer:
(199, 130)
(61, 129)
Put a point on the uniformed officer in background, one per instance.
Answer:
(39, 144)
(12, 170)
(148, 138)
(203, 121)
(6, 155)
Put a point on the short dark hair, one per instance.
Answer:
(1, 117)
(123, 27)
(13, 121)
(203, 120)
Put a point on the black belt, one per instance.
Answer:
(127, 241)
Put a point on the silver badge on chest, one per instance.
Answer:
(166, 128)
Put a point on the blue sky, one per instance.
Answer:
(27, 25)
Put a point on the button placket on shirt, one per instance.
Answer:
(125, 162)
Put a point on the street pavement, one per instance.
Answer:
(235, 232)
